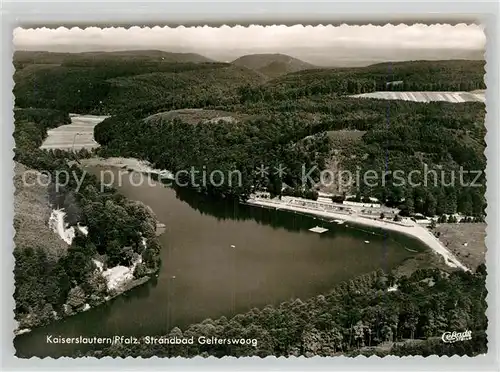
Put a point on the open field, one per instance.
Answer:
(194, 116)
(465, 240)
(345, 135)
(75, 136)
(453, 97)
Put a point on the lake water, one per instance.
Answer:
(221, 258)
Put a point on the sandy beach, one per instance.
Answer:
(406, 227)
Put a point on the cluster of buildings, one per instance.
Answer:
(325, 203)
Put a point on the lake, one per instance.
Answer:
(222, 258)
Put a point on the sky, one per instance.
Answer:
(320, 45)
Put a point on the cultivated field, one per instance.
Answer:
(75, 136)
(453, 97)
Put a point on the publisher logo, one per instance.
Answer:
(450, 337)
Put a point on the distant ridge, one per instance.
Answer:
(43, 57)
(272, 65)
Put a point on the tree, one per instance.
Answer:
(114, 253)
(175, 350)
(140, 270)
(451, 201)
(58, 286)
(440, 197)
(386, 333)
(76, 297)
(464, 202)
(410, 318)
(77, 265)
(407, 208)
(359, 333)
(430, 205)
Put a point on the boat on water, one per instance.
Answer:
(318, 229)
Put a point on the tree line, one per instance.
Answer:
(219, 145)
(110, 85)
(359, 316)
(437, 139)
(395, 76)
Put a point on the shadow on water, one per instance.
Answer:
(230, 209)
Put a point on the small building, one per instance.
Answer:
(394, 83)
(359, 204)
(262, 195)
(322, 199)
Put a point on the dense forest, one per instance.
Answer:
(358, 317)
(24, 58)
(292, 120)
(436, 138)
(112, 86)
(218, 145)
(398, 76)
(302, 119)
(116, 228)
(397, 135)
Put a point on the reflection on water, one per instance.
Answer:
(222, 258)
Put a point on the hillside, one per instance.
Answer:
(55, 274)
(283, 111)
(272, 65)
(23, 58)
(342, 133)
(31, 214)
(453, 75)
(111, 85)
(196, 88)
